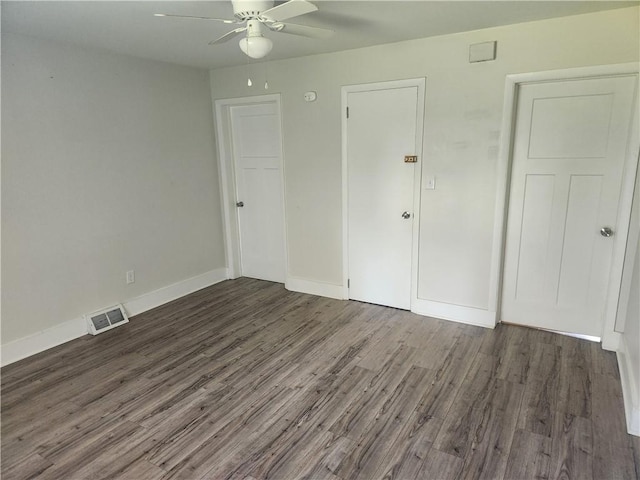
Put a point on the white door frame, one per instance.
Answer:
(420, 83)
(610, 338)
(227, 176)
(629, 258)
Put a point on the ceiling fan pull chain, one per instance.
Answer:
(249, 82)
(266, 77)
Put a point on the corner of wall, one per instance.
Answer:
(611, 341)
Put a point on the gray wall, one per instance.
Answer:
(108, 165)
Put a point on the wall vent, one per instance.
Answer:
(482, 52)
(103, 320)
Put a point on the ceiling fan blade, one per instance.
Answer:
(302, 30)
(290, 9)
(227, 36)
(223, 20)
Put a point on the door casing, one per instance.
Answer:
(420, 84)
(610, 338)
(227, 178)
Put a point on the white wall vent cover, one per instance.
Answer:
(104, 320)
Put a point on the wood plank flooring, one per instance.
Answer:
(245, 380)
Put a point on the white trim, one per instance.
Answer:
(169, 293)
(64, 332)
(224, 152)
(311, 287)
(501, 208)
(504, 166)
(629, 258)
(227, 177)
(345, 199)
(417, 191)
(456, 313)
(629, 390)
(611, 341)
(420, 84)
(43, 340)
(623, 224)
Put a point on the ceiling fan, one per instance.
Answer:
(256, 13)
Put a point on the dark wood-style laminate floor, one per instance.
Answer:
(246, 380)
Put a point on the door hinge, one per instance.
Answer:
(348, 282)
(347, 112)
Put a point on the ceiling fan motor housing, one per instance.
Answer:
(248, 9)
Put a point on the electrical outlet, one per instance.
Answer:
(131, 276)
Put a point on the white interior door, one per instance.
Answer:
(570, 143)
(381, 130)
(257, 152)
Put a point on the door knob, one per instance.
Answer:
(606, 232)
(406, 215)
(239, 204)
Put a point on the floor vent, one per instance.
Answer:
(107, 319)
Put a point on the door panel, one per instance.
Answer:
(570, 127)
(381, 130)
(579, 240)
(569, 148)
(536, 226)
(258, 159)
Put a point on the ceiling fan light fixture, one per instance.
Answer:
(256, 46)
(259, 14)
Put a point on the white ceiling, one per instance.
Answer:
(129, 27)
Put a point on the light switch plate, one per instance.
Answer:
(430, 183)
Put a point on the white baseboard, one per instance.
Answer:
(455, 313)
(611, 341)
(180, 289)
(43, 340)
(445, 311)
(66, 331)
(311, 287)
(628, 378)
